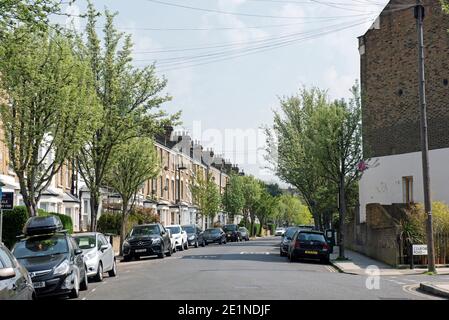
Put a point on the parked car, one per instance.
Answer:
(286, 239)
(308, 244)
(147, 240)
(15, 281)
(194, 235)
(214, 235)
(172, 240)
(279, 231)
(180, 236)
(232, 232)
(52, 257)
(98, 253)
(244, 233)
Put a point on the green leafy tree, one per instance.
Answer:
(129, 97)
(233, 199)
(251, 193)
(206, 195)
(288, 152)
(335, 140)
(291, 211)
(132, 164)
(266, 207)
(50, 108)
(33, 14)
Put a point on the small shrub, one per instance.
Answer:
(110, 223)
(13, 222)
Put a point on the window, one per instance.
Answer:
(68, 212)
(162, 188)
(173, 189)
(182, 189)
(167, 185)
(44, 206)
(407, 189)
(86, 206)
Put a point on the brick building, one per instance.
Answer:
(391, 113)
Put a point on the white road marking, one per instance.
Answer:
(94, 289)
(411, 288)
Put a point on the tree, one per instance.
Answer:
(205, 195)
(133, 163)
(128, 97)
(33, 14)
(251, 193)
(265, 207)
(51, 106)
(335, 141)
(233, 199)
(292, 212)
(287, 149)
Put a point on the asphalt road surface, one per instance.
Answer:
(243, 271)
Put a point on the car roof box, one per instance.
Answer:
(42, 225)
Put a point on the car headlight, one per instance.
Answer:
(156, 241)
(62, 269)
(191, 237)
(125, 243)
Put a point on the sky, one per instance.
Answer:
(228, 62)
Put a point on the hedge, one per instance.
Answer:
(14, 220)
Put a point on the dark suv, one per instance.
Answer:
(52, 257)
(307, 244)
(147, 240)
(232, 232)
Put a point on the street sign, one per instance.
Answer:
(420, 249)
(7, 201)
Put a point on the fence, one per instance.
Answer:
(441, 241)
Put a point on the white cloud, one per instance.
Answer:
(338, 84)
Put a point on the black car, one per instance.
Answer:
(52, 257)
(147, 240)
(194, 235)
(286, 238)
(244, 233)
(15, 281)
(214, 235)
(232, 232)
(307, 244)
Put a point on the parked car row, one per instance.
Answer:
(155, 239)
(47, 261)
(304, 243)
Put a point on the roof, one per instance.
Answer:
(67, 197)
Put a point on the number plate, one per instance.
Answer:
(140, 250)
(311, 252)
(38, 285)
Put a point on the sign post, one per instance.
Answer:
(6, 203)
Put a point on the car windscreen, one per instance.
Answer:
(86, 242)
(311, 237)
(144, 231)
(174, 230)
(231, 227)
(189, 229)
(212, 231)
(242, 229)
(290, 232)
(41, 246)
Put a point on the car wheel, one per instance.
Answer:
(325, 260)
(182, 247)
(187, 245)
(203, 244)
(162, 254)
(196, 244)
(75, 293)
(127, 258)
(99, 275)
(113, 271)
(220, 242)
(83, 285)
(282, 254)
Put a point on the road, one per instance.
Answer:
(242, 271)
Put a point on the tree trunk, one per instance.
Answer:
(124, 223)
(342, 212)
(252, 224)
(94, 204)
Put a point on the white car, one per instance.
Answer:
(279, 231)
(98, 254)
(172, 240)
(179, 235)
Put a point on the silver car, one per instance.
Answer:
(98, 253)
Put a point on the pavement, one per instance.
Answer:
(358, 264)
(247, 271)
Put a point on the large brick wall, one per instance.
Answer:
(389, 80)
